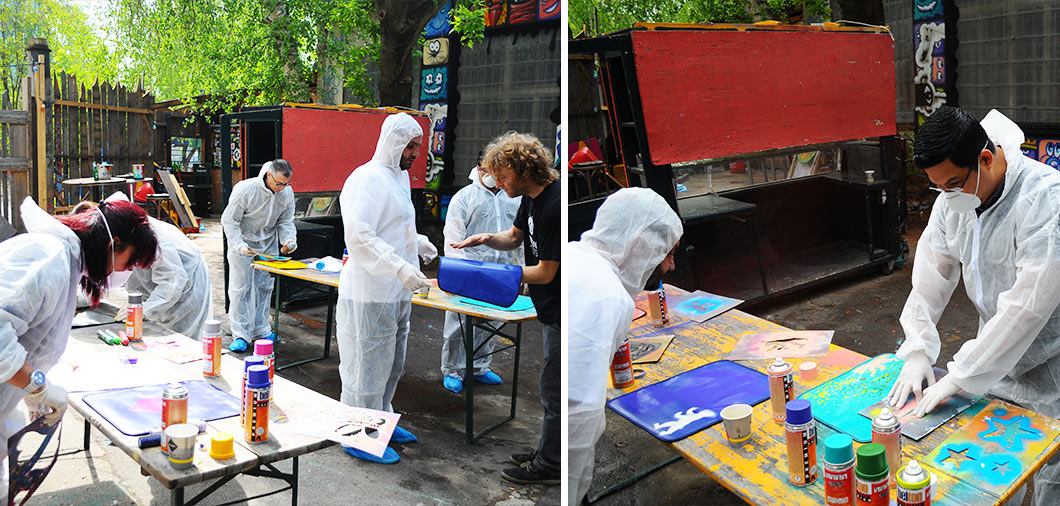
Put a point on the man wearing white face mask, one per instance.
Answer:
(478, 208)
(1001, 233)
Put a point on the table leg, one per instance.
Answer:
(294, 483)
(276, 315)
(332, 301)
(469, 380)
(176, 496)
(515, 369)
(88, 429)
(632, 479)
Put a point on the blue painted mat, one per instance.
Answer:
(522, 303)
(691, 401)
(837, 402)
(138, 411)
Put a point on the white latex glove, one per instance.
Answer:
(412, 278)
(427, 251)
(123, 314)
(50, 401)
(289, 247)
(246, 251)
(916, 370)
(936, 394)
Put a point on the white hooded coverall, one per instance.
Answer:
(261, 220)
(177, 286)
(1009, 257)
(39, 275)
(373, 309)
(474, 209)
(633, 233)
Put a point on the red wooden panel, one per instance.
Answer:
(324, 146)
(710, 94)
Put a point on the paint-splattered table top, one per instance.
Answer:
(436, 298)
(757, 470)
(291, 400)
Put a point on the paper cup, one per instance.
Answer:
(181, 437)
(808, 371)
(423, 292)
(870, 175)
(737, 421)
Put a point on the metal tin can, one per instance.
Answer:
(345, 255)
(247, 364)
(887, 430)
(657, 307)
(256, 405)
(839, 470)
(780, 383)
(134, 319)
(914, 485)
(264, 349)
(870, 476)
(211, 349)
(174, 409)
(800, 436)
(622, 367)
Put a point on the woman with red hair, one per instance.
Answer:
(39, 276)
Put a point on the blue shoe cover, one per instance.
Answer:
(402, 436)
(452, 384)
(389, 456)
(238, 345)
(489, 378)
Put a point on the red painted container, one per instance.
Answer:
(622, 367)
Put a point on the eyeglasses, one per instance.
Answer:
(277, 183)
(952, 189)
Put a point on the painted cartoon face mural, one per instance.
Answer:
(522, 11)
(438, 26)
(930, 69)
(435, 165)
(436, 52)
(547, 9)
(496, 12)
(1049, 152)
(433, 83)
(927, 9)
(437, 114)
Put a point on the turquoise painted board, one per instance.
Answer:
(837, 402)
(522, 303)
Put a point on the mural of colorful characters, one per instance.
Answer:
(930, 80)
(501, 13)
(436, 51)
(439, 26)
(1046, 151)
(433, 82)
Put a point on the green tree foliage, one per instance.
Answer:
(76, 48)
(595, 17)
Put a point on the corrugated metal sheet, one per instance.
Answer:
(899, 16)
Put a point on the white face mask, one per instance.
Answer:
(118, 278)
(962, 202)
(488, 181)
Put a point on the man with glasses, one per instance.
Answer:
(259, 218)
(1002, 235)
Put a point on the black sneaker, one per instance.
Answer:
(525, 474)
(519, 458)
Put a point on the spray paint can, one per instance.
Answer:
(211, 349)
(870, 476)
(174, 409)
(247, 364)
(345, 255)
(914, 485)
(256, 405)
(622, 366)
(134, 319)
(800, 434)
(263, 349)
(657, 307)
(780, 383)
(839, 470)
(887, 430)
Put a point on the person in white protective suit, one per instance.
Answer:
(176, 287)
(376, 284)
(259, 218)
(40, 272)
(477, 208)
(630, 247)
(997, 225)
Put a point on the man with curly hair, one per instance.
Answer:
(522, 166)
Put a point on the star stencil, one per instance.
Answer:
(1009, 434)
(1002, 468)
(958, 457)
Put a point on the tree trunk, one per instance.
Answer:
(400, 26)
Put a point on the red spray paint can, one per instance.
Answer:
(780, 383)
(839, 470)
(247, 364)
(174, 410)
(256, 405)
(211, 349)
(622, 367)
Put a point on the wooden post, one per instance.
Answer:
(39, 55)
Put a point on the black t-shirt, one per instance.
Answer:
(540, 217)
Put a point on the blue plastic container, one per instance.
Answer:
(486, 281)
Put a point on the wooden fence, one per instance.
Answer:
(14, 158)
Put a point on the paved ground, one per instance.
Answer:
(440, 469)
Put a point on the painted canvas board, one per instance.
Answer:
(995, 448)
(365, 429)
(522, 303)
(138, 411)
(691, 401)
(837, 403)
(87, 371)
(701, 306)
(917, 428)
(649, 349)
(175, 348)
(793, 344)
(91, 318)
(637, 313)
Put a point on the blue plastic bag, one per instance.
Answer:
(486, 281)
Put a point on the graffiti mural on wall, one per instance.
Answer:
(503, 13)
(434, 94)
(1045, 150)
(930, 80)
(436, 51)
(433, 83)
(437, 114)
(439, 26)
